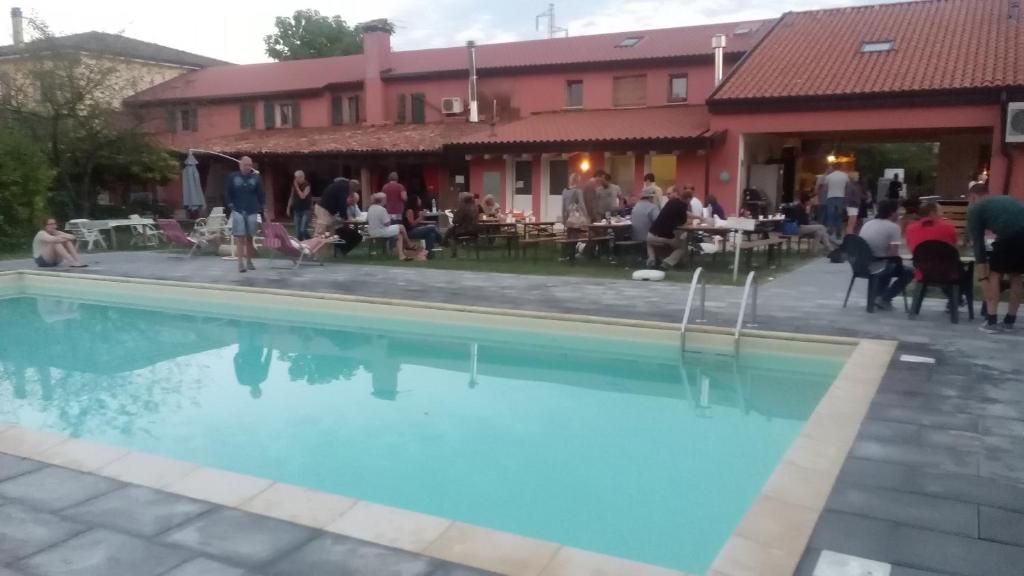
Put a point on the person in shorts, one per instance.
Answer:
(52, 248)
(1004, 216)
(246, 200)
(378, 224)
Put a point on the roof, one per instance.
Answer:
(317, 73)
(583, 126)
(113, 45)
(409, 138)
(936, 45)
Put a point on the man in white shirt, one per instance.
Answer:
(834, 184)
(696, 207)
(51, 247)
(884, 237)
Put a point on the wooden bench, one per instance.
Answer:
(773, 245)
(957, 216)
(536, 242)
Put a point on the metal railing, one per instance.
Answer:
(698, 277)
(743, 310)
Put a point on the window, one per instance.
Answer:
(247, 116)
(400, 109)
(629, 90)
(677, 87)
(337, 110)
(286, 115)
(574, 93)
(876, 46)
(418, 104)
(353, 109)
(187, 120)
(629, 42)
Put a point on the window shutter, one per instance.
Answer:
(353, 109)
(243, 116)
(268, 114)
(172, 120)
(629, 90)
(195, 119)
(419, 111)
(337, 109)
(400, 116)
(296, 119)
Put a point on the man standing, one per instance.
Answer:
(658, 193)
(834, 185)
(396, 196)
(663, 231)
(884, 237)
(1004, 216)
(332, 205)
(246, 201)
(895, 187)
(608, 194)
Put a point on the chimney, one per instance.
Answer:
(474, 111)
(377, 58)
(17, 29)
(718, 43)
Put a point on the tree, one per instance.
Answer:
(309, 34)
(68, 103)
(25, 178)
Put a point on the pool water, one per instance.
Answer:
(615, 446)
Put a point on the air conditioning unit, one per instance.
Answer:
(1015, 122)
(451, 105)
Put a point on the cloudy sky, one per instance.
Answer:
(234, 31)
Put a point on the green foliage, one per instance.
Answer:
(25, 177)
(920, 161)
(309, 34)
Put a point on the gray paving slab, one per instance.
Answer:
(102, 552)
(854, 534)
(53, 488)
(1003, 465)
(332, 553)
(239, 537)
(9, 572)
(1002, 526)
(449, 569)
(206, 567)
(924, 417)
(938, 551)
(11, 466)
(904, 571)
(937, 514)
(947, 459)
(24, 531)
(138, 510)
(1002, 427)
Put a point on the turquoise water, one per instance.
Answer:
(612, 446)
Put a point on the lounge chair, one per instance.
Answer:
(143, 234)
(82, 232)
(173, 234)
(277, 240)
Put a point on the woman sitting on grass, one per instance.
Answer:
(52, 248)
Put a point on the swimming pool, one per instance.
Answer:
(598, 437)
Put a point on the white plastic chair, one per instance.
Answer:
(79, 228)
(143, 234)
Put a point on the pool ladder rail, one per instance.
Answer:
(698, 281)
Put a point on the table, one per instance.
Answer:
(538, 228)
(109, 226)
(760, 227)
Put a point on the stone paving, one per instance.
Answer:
(934, 483)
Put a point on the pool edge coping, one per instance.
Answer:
(771, 535)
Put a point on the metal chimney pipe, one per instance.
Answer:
(17, 28)
(474, 111)
(718, 44)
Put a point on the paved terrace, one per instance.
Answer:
(934, 483)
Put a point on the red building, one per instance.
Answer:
(796, 90)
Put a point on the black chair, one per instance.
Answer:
(864, 264)
(940, 265)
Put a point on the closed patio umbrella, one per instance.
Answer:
(192, 197)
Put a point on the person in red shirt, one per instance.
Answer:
(929, 226)
(395, 194)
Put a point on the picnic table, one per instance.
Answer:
(109, 226)
(741, 227)
(538, 228)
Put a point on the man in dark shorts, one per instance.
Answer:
(1004, 216)
(246, 200)
(663, 231)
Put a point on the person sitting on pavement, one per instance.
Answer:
(644, 214)
(52, 248)
(378, 223)
(884, 237)
(1004, 216)
(663, 231)
(416, 225)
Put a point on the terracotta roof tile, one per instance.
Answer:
(112, 45)
(936, 45)
(658, 123)
(410, 138)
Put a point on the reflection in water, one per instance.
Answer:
(252, 360)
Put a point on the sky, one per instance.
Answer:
(233, 31)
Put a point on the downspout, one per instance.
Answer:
(1005, 146)
(474, 111)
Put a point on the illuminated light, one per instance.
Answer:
(831, 158)
(585, 165)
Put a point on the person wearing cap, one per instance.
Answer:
(644, 213)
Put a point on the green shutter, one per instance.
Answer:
(400, 116)
(337, 109)
(419, 112)
(296, 118)
(268, 114)
(247, 116)
(172, 120)
(195, 119)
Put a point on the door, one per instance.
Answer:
(557, 179)
(663, 166)
(492, 185)
(622, 170)
(522, 187)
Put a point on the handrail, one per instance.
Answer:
(698, 276)
(743, 309)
